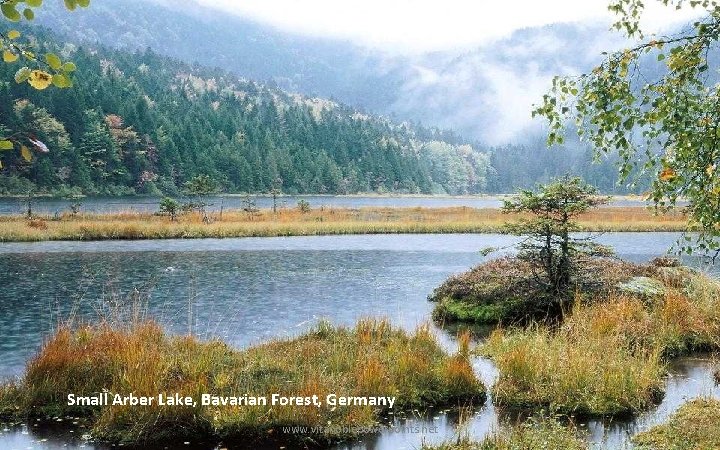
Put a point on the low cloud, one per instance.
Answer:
(488, 94)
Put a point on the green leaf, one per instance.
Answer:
(10, 13)
(61, 81)
(29, 14)
(9, 56)
(83, 3)
(69, 67)
(22, 75)
(53, 61)
(26, 153)
(13, 34)
(34, 3)
(6, 145)
(71, 4)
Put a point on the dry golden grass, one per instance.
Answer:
(608, 357)
(572, 374)
(371, 359)
(291, 222)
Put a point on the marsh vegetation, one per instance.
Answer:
(371, 359)
(315, 221)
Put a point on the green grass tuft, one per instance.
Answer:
(696, 425)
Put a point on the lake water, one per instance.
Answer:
(248, 290)
(50, 206)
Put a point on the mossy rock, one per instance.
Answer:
(456, 310)
(643, 286)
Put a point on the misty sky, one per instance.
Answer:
(422, 25)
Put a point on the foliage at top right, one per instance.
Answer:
(656, 105)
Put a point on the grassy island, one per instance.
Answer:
(505, 290)
(370, 360)
(317, 221)
(606, 355)
(696, 425)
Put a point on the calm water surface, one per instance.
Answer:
(248, 290)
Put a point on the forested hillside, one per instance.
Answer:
(522, 166)
(145, 123)
(494, 103)
(484, 93)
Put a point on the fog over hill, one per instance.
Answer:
(483, 94)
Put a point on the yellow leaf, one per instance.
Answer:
(40, 79)
(13, 34)
(9, 56)
(667, 174)
(710, 170)
(26, 153)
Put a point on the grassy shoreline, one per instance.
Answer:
(696, 425)
(321, 221)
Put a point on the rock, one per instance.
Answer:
(644, 286)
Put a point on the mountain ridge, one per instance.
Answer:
(145, 123)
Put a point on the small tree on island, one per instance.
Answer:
(170, 207)
(549, 245)
(303, 206)
(199, 187)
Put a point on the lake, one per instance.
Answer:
(247, 290)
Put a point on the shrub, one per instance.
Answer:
(170, 207)
(303, 206)
(548, 245)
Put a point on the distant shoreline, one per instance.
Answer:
(632, 197)
(315, 222)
